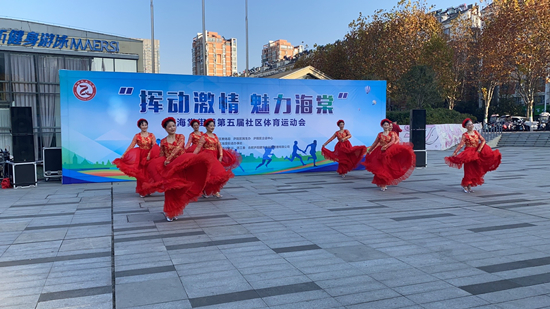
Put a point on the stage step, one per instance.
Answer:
(525, 139)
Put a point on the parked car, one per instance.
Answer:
(523, 124)
(544, 118)
(519, 122)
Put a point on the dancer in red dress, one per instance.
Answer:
(395, 128)
(388, 159)
(133, 160)
(477, 157)
(181, 176)
(194, 136)
(347, 156)
(225, 161)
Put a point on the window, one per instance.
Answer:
(126, 65)
(4, 86)
(3, 75)
(103, 64)
(34, 82)
(5, 126)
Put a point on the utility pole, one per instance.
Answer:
(153, 38)
(204, 53)
(246, 22)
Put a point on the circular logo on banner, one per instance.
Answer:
(84, 90)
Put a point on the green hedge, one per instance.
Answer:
(433, 116)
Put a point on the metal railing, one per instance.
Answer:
(490, 132)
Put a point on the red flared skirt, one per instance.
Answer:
(182, 180)
(231, 159)
(347, 156)
(476, 164)
(133, 164)
(219, 174)
(391, 166)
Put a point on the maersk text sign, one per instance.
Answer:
(13, 37)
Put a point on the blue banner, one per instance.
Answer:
(281, 121)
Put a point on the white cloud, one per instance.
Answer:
(113, 135)
(117, 110)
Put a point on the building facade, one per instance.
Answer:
(31, 55)
(221, 55)
(279, 50)
(148, 57)
(469, 13)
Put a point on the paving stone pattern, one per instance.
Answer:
(286, 241)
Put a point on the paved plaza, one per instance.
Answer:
(287, 241)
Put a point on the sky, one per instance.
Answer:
(305, 22)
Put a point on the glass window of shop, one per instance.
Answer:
(103, 64)
(4, 94)
(33, 80)
(114, 65)
(125, 65)
(5, 123)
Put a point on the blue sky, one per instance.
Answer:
(178, 21)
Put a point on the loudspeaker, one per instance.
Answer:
(418, 119)
(23, 148)
(21, 120)
(52, 162)
(418, 139)
(418, 129)
(22, 174)
(421, 158)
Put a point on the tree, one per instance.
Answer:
(419, 87)
(383, 46)
(490, 58)
(331, 59)
(389, 43)
(438, 56)
(461, 41)
(524, 28)
(506, 106)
